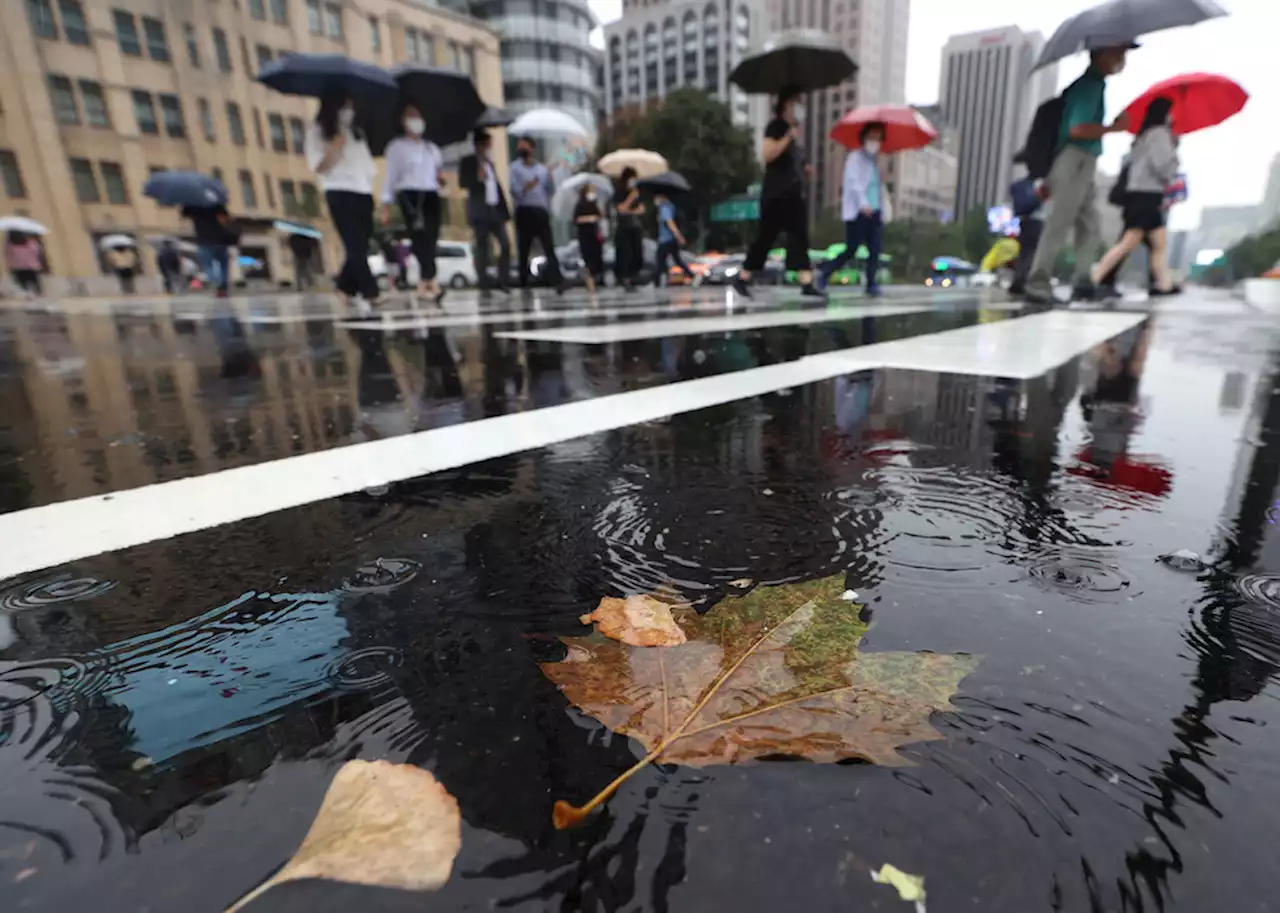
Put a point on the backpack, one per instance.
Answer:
(1043, 144)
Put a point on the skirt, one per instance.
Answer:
(1144, 211)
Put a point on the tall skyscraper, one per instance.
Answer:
(1271, 200)
(989, 94)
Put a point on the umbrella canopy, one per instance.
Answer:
(1200, 100)
(904, 127)
(804, 59)
(494, 117)
(316, 75)
(293, 228)
(546, 120)
(448, 101)
(667, 182)
(1119, 22)
(566, 195)
(646, 164)
(185, 188)
(110, 242)
(22, 224)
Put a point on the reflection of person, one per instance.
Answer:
(782, 202)
(336, 149)
(862, 208)
(1109, 405)
(414, 175)
(124, 263)
(210, 226)
(670, 240)
(25, 260)
(628, 237)
(586, 217)
(487, 211)
(531, 190)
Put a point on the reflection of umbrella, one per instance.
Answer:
(1117, 23)
(316, 75)
(805, 59)
(185, 188)
(646, 164)
(1200, 100)
(904, 127)
(22, 224)
(293, 228)
(494, 117)
(185, 247)
(110, 242)
(546, 120)
(667, 182)
(448, 101)
(1002, 252)
(566, 194)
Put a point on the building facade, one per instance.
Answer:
(94, 98)
(990, 95)
(1270, 215)
(922, 182)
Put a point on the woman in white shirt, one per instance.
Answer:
(337, 151)
(414, 175)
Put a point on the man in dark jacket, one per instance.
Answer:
(487, 211)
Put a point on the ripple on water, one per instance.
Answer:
(366, 669)
(1260, 589)
(382, 575)
(36, 594)
(1081, 576)
(64, 680)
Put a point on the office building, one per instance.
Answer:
(990, 95)
(922, 182)
(1270, 216)
(94, 98)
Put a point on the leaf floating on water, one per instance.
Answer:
(1184, 560)
(910, 887)
(742, 582)
(775, 672)
(641, 621)
(381, 824)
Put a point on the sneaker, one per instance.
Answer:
(1084, 293)
(1041, 297)
(1108, 293)
(739, 285)
(812, 291)
(873, 291)
(820, 279)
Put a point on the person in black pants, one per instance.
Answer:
(487, 211)
(782, 201)
(628, 237)
(531, 190)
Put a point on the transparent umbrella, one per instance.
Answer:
(566, 195)
(546, 120)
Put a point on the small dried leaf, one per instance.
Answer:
(381, 824)
(910, 887)
(640, 621)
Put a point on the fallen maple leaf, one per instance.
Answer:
(383, 824)
(641, 621)
(775, 672)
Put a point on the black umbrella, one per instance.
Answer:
(185, 188)
(495, 117)
(667, 182)
(803, 59)
(448, 101)
(1117, 23)
(317, 75)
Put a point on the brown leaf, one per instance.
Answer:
(382, 824)
(641, 621)
(773, 672)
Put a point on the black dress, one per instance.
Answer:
(589, 237)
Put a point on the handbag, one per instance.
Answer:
(1120, 189)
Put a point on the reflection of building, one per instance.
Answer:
(923, 181)
(990, 95)
(95, 97)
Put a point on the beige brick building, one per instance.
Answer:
(95, 95)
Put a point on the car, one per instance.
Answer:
(455, 267)
(723, 270)
(571, 263)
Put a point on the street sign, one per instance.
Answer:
(736, 211)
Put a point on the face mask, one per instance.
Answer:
(347, 117)
(526, 154)
(872, 146)
(797, 113)
(415, 125)
(631, 184)
(591, 196)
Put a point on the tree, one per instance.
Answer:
(1255, 254)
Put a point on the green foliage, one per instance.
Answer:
(1255, 254)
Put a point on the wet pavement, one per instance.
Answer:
(376, 536)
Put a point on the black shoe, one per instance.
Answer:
(1040, 298)
(812, 291)
(506, 291)
(1108, 293)
(1017, 290)
(1084, 293)
(1161, 293)
(740, 286)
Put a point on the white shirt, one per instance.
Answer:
(491, 192)
(354, 170)
(412, 164)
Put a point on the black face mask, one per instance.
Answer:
(526, 154)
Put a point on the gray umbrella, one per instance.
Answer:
(806, 59)
(1120, 22)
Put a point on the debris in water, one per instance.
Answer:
(910, 887)
(848, 595)
(1183, 560)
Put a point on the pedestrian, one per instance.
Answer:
(1028, 207)
(487, 211)
(169, 264)
(628, 236)
(336, 149)
(1071, 179)
(209, 224)
(1153, 165)
(670, 241)
(124, 263)
(862, 208)
(531, 190)
(25, 260)
(586, 218)
(415, 173)
(782, 201)
(301, 247)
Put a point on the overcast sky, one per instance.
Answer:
(1227, 164)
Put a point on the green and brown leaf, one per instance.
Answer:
(774, 672)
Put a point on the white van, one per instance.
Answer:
(455, 267)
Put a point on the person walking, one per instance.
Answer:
(782, 201)
(209, 223)
(124, 263)
(586, 218)
(531, 190)
(487, 211)
(628, 236)
(336, 150)
(415, 172)
(301, 247)
(862, 209)
(169, 263)
(1071, 180)
(25, 260)
(1028, 207)
(1153, 165)
(670, 241)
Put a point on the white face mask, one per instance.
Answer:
(591, 195)
(415, 125)
(797, 113)
(347, 117)
(872, 146)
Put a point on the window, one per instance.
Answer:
(247, 190)
(411, 46)
(258, 10)
(206, 119)
(11, 176)
(289, 198)
(86, 182)
(222, 50)
(217, 174)
(171, 110)
(297, 134)
(264, 56)
(280, 11)
(145, 112)
(235, 124)
(73, 24)
(94, 103)
(257, 128)
(468, 61)
(455, 56)
(193, 44)
(113, 181)
(244, 55)
(157, 43)
(275, 125)
(270, 190)
(153, 170)
(420, 47)
(127, 35)
(64, 100)
(40, 12)
(333, 20)
(375, 35)
(310, 199)
(315, 24)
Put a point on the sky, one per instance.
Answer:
(1225, 165)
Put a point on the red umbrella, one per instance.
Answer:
(904, 127)
(1200, 100)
